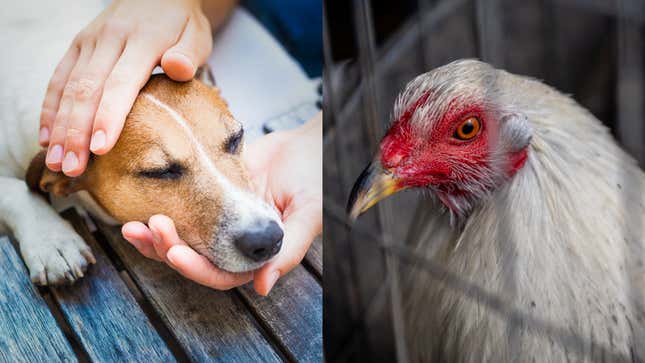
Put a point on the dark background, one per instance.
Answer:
(591, 49)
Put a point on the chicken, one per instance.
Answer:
(535, 205)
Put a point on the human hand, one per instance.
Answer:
(95, 84)
(159, 241)
(286, 168)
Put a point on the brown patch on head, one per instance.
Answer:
(179, 154)
(153, 143)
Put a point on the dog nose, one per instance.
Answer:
(260, 243)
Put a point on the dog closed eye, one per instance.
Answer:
(234, 141)
(173, 171)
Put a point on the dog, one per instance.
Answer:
(179, 154)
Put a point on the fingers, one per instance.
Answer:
(154, 240)
(119, 92)
(300, 229)
(141, 238)
(165, 235)
(199, 269)
(55, 92)
(97, 81)
(59, 127)
(160, 242)
(180, 62)
(89, 83)
(186, 261)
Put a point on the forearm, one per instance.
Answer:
(217, 11)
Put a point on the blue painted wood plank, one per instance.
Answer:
(104, 314)
(28, 330)
(293, 313)
(209, 325)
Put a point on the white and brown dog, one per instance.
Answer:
(179, 154)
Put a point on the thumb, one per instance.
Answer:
(300, 229)
(180, 61)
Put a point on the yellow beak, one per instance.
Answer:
(373, 185)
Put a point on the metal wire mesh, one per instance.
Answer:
(363, 262)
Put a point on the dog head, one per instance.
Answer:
(179, 154)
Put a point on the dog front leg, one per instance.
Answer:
(50, 247)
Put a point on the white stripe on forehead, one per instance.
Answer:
(242, 208)
(201, 152)
(243, 205)
(234, 195)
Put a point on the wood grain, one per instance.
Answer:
(28, 330)
(104, 314)
(208, 324)
(293, 313)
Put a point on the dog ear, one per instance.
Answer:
(42, 180)
(35, 170)
(205, 75)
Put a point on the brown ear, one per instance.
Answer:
(43, 180)
(205, 75)
(35, 170)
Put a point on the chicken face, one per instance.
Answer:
(455, 133)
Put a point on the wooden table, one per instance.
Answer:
(129, 308)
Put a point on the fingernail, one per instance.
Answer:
(71, 162)
(184, 58)
(55, 155)
(170, 258)
(135, 243)
(155, 235)
(98, 141)
(275, 275)
(43, 136)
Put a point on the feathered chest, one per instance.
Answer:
(552, 255)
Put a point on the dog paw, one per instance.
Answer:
(57, 258)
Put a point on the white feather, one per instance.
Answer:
(560, 244)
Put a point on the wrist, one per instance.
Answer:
(217, 11)
(312, 129)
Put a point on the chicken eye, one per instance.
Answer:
(468, 129)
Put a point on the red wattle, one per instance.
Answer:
(518, 160)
